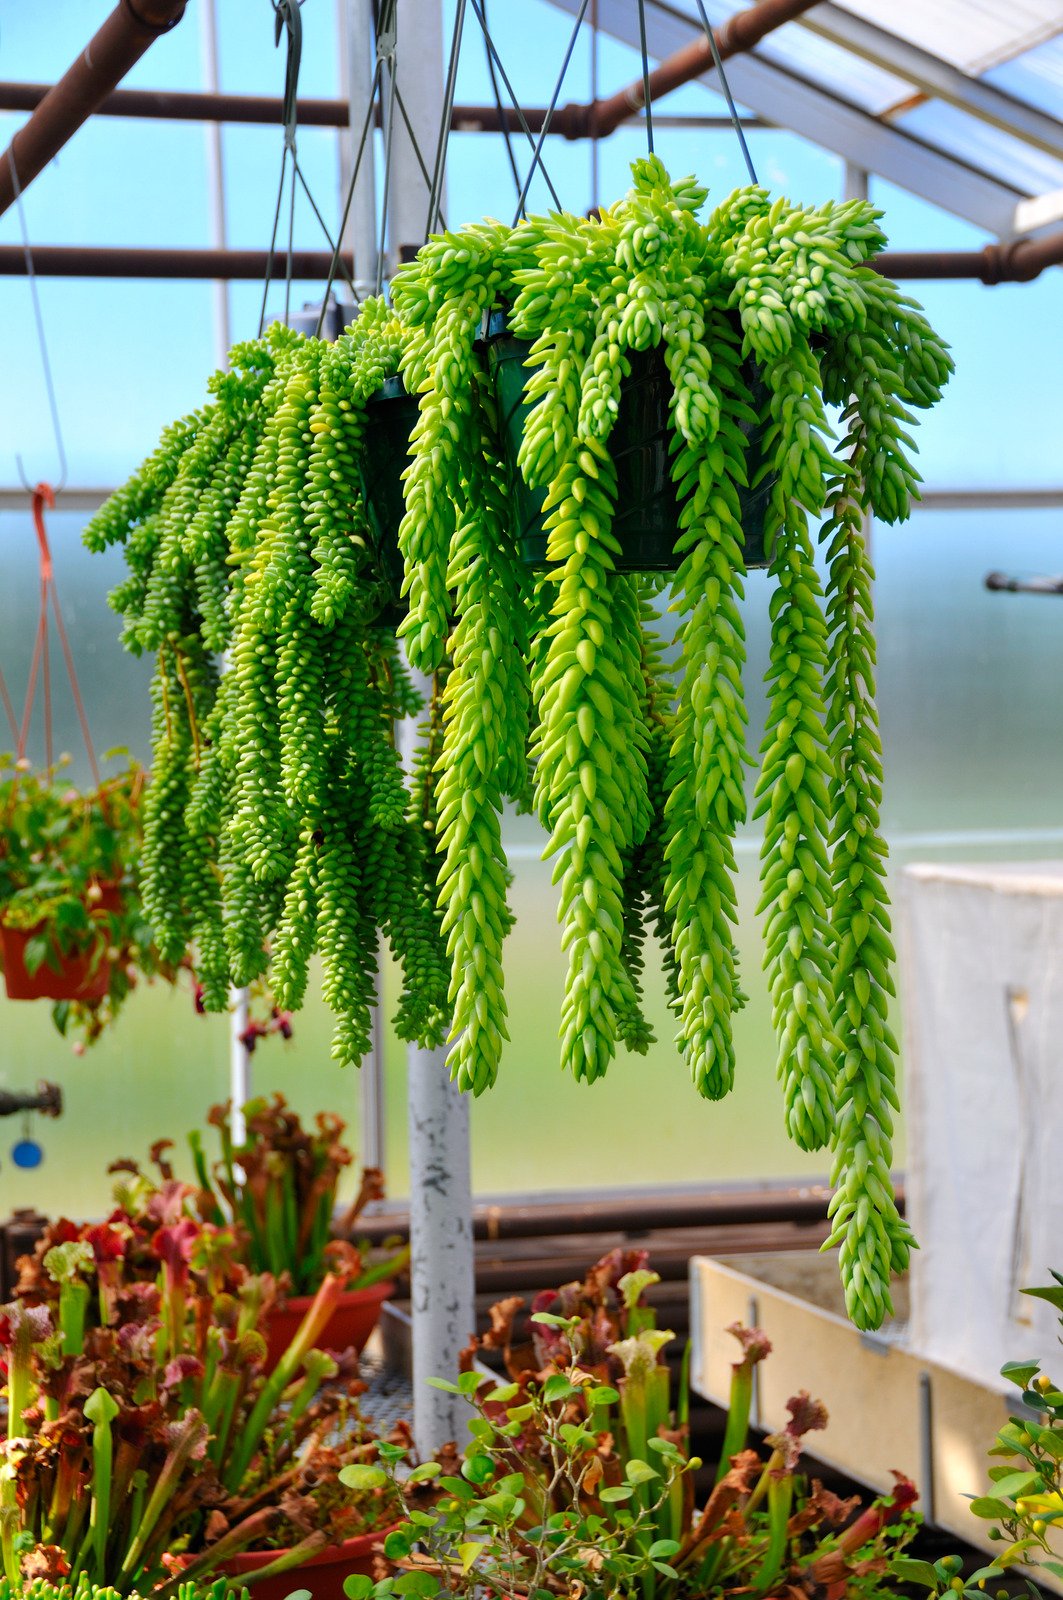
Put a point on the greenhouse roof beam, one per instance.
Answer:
(194, 106)
(180, 105)
(788, 100)
(1014, 261)
(739, 33)
(128, 32)
(936, 77)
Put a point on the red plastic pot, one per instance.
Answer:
(77, 978)
(356, 1315)
(322, 1574)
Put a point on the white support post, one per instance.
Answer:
(208, 44)
(239, 1062)
(442, 1265)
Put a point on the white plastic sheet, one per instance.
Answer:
(982, 954)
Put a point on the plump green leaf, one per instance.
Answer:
(357, 1586)
(636, 1471)
(615, 1493)
(359, 1475)
(1020, 1372)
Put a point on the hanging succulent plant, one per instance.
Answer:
(278, 823)
(281, 822)
(763, 317)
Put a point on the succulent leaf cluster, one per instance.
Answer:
(278, 824)
(282, 823)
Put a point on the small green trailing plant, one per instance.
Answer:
(278, 820)
(69, 877)
(277, 823)
(278, 1189)
(577, 1477)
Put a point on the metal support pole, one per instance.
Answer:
(208, 38)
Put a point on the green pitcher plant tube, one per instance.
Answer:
(279, 822)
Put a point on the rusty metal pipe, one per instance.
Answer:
(1018, 261)
(739, 33)
(131, 28)
(179, 105)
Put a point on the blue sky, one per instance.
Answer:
(130, 355)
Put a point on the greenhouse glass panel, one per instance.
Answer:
(971, 34)
(1002, 155)
(1035, 76)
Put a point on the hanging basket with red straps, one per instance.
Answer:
(71, 926)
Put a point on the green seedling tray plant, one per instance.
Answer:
(577, 1475)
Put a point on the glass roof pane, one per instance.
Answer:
(971, 34)
(990, 150)
(1036, 76)
(837, 70)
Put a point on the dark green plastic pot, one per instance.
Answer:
(390, 418)
(647, 519)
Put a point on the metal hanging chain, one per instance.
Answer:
(436, 193)
(551, 108)
(493, 55)
(38, 317)
(735, 119)
(287, 20)
(386, 51)
(595, 165)
(386, 47)
(646, 98)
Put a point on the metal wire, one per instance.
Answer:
(551, 108)
(735, 120)
(38, 317)
(503, 120)
(522, 119)
(436, 192)
(349, 201)
(389, 130)
(646, 99)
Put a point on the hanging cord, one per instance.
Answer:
(735, 119)
(38, 317)
(493, 55)
(595, 152)
(44, 495)
(551, 108)
(503, 120)
(288, 21)
(386, 40)
(386, 44)
(646, 98)
(436, 194)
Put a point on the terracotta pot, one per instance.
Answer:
(77, 977)
(353, 1320)
(322, 1574)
